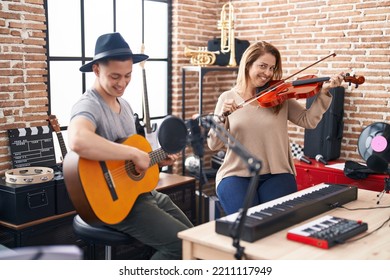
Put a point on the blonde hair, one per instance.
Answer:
(251, 54)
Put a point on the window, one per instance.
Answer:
(73, 27)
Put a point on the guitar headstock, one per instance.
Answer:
(54, 123)
(357, 80)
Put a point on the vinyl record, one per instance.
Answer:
(374, 146)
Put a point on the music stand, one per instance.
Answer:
(254, 166)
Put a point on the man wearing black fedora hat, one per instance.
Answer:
(101, 117)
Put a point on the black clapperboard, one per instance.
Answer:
(32, 146)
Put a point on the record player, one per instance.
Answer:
(374, 148)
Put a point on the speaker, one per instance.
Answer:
(326, 138)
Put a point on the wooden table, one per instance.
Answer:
(202, 242)
(168, 180)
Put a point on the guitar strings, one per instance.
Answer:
(129, 167)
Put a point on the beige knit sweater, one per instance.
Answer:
(264, 134)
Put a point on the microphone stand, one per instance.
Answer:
(196, 140)
(254, 166)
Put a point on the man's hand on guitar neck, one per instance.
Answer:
(169, 160)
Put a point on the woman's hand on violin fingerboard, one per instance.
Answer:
(334, 81)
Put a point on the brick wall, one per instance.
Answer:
(357, 31)
(304, 31)
(23, 92)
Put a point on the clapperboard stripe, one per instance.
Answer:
(23, 132)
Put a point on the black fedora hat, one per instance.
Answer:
(109, 46)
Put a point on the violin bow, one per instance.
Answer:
(275, 86)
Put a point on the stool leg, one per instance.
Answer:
(107, 252)
(91, 251)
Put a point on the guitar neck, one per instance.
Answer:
(56, 127)
(148, 126)
(62, 144)
(156, 156)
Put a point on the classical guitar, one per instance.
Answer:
(104, 192)
(56, 127)
(150, 130)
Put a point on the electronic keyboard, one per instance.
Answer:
(267, 218)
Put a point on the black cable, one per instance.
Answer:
(375, 230)
(363, 208)
(366, 208)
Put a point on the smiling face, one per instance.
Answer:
(260, 63)
(262, 70)
(113, 76)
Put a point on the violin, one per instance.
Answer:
(304, 87)
(280, 90)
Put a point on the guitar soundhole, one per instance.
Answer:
(132, 173)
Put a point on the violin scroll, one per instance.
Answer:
(357, 80)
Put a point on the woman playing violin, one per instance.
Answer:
(262, 131)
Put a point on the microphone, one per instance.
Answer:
(321, 159)
(194, 137)
(304, 159)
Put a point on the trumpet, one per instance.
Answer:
(200, 56)
(226, 25)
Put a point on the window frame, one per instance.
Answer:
(84, 59)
